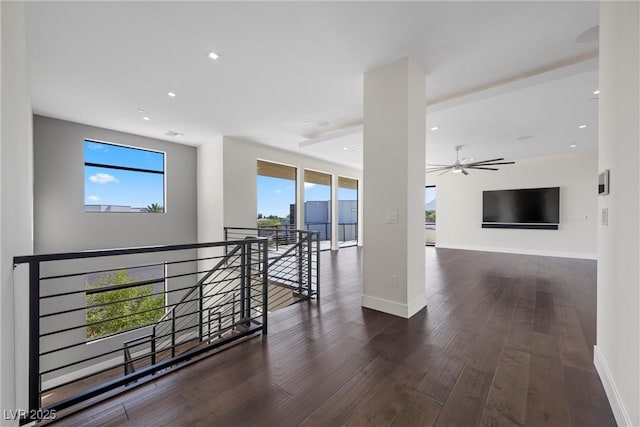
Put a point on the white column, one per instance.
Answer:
(394, 163)
(300, 198)
(617, 354)
(334, 213)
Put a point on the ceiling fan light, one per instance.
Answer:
(456, 170)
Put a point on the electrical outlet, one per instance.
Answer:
(394, 281)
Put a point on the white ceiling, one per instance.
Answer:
(290, 71)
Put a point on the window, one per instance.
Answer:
(121, 300)
(317, 205)
(347, 211)
(276, 185)
(122, 179)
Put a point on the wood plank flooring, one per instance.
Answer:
(506, 341)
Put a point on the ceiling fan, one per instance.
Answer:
(462, 166)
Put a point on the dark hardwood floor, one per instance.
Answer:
(506, 341)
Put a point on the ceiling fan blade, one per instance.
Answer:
(486, 161)
(464, 171)
(497, 163)
(448, 170)
(431, 164)
(482, 167)
(436, 169)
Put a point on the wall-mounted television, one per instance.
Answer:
(529, 208)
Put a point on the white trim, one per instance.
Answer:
(559, 254)
(393, 307)
(619, 411)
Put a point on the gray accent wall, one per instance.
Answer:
(62, 225)
(60, 222)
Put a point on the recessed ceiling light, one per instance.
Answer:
(140, 111)
(596, 92)
(434, 128)
(573, 146)
(582, 126)
(345, 148)
(172, 94)
(146, 118)
(213, 55)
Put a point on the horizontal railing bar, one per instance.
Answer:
(80, 291)
(128, 343)
(130, 251)
(96, 391)
(102, 289)
(132, 267)
(116, 366)
(119, 349)
(159, 322)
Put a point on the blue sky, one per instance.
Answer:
(105, 186)
(276, 194)
(430, 194)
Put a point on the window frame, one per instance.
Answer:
(125, 168)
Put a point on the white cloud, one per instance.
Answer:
(309, 185)
(290, 187)
(103, 178)
(96, 146)
(93, 198)
(277, 191)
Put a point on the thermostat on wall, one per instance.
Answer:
(603, 183)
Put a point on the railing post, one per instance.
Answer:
(317, 273)
(249, 284)
(243, 277)
(299, 257)
(265, 288)
(34, 336)
(201, 308)
(309, 266)
(173, 334)
(153, 345)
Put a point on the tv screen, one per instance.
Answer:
(537, 208)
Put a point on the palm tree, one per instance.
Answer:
(154, 208)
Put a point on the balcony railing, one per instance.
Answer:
(211, 295)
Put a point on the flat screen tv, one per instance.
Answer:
(532, 208)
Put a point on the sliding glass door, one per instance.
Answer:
(347, 211)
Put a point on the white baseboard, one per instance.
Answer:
(393, 307)
(619, 411)
(521, 251)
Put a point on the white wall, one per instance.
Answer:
(16, 193)
(210, 191)
(240, 193)
(459, 207)
(617, 355)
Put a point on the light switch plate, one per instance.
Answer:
(604, 218)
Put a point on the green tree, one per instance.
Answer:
(128, 307)
(430, 216)
(154, 208)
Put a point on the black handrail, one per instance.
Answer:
(256, 320)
